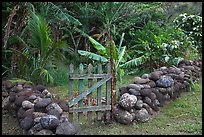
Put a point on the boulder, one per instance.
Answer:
(165, 81)
(27, 122)
(66, 128)
(134, 92)
(142, 115)
(122, 116)
(49, 122)
(127, 101)
(155, 75)
(139, 104)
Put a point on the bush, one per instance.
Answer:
(192, 26)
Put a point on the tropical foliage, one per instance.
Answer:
(41, 37)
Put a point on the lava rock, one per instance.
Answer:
(127, 101)
(49, 122)
(134, 92)
(12, 96)
(43, 103)
(66, 128)
(144, 76)
(19, 100)
(123, 90)
(40, 88)
(134, 86)
(27, 104)
(165, 81)
(122, 116)
(38, 114)
(151, 83)
(27, 122)
(54, 106)
(138, 80)
(155, 75)
(139, 104)
(142, 115)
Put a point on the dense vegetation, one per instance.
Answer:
(40, 39)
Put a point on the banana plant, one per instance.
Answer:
(104, 54)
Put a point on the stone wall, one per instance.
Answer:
(146, 94)
(38, 113)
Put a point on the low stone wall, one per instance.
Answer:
(38, 113)
(146, 94)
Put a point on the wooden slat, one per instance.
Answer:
(89, 114)
(91, 108)
(108, 86)
(101, 82)
(89, 76)
(81, 88)
(99, 94)
(71, 87)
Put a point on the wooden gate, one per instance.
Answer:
(83, 102)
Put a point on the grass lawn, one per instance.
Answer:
(182, 116)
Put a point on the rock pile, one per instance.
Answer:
(38, 113)
(146, 94)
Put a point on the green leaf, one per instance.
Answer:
(101, 49)
(115, 55)
(134, 62)
(122, 52)
(92, 56)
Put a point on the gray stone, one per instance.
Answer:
(142, 115)
(54, 112)
(20, 113)
(66, 128)
(44, 132)
(5, 94)
(138, 80)
(43, 103)
(27, 122)
(145, 76)
(54, 106)
(40, 88)
(123, 90)
(35, 129)
(122, 116)
(49, 122)
(28, 112)
(151, 83)
(134, 86)
(37, 120)
(139, 104)
(12, 96)
(32, 97)
(146, 86)
(45, 91)
(162, 90)
(147, 100)
(5, 103)
(19, 100)
(155, 75)
(27, 104)
(127, 101)
(38, 114)
(134, 92)
(165, 81)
